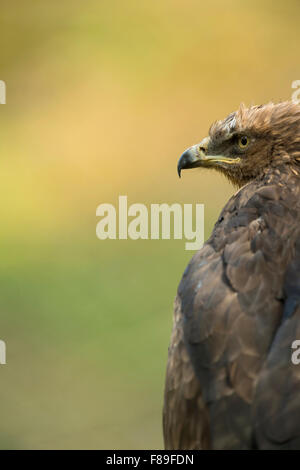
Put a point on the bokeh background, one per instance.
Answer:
(102, 98)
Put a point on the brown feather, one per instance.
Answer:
(230, 382)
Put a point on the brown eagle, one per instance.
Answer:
(231, 382)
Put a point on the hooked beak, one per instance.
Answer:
(196, 156)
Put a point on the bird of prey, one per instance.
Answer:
(230, 382)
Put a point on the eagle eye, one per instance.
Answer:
(243, 142)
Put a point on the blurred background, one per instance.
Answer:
(102, 98)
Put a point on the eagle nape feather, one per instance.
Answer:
(230, 381)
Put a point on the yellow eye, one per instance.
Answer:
(243, 142)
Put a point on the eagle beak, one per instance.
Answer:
(193, 157)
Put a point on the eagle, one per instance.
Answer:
(230, 381)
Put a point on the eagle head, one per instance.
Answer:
(248, 142)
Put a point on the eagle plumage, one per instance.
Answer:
(230, 381)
